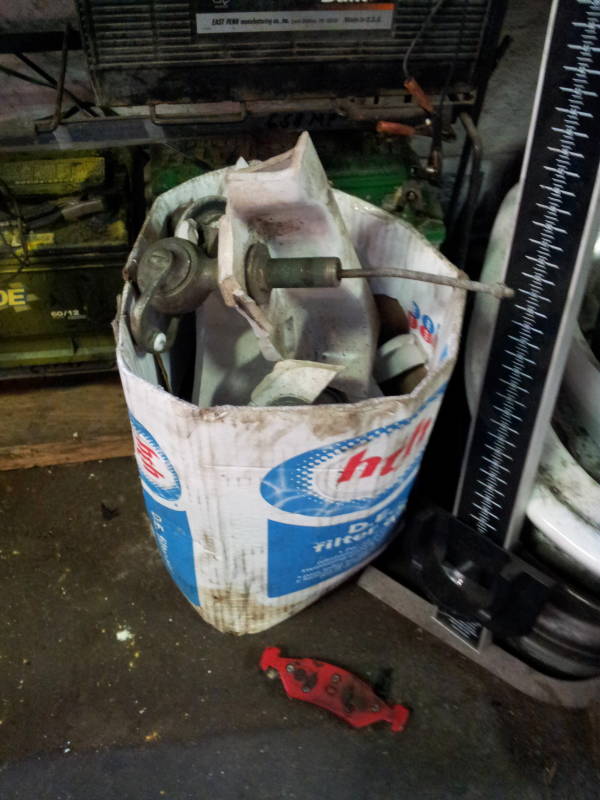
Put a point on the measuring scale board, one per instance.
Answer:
(557, 223)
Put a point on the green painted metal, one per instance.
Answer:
(361, 163)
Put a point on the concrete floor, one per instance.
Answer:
(181, 711)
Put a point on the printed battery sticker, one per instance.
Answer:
(173, 536)
(14, 296)
(300, 556)
(267, 16)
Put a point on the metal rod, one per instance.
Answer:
(473, 190)
(52, 125)
(51, 82)
(498, 290)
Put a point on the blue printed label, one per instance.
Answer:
(156, 471)
(173, 536)
(300, 556)
(354, 474)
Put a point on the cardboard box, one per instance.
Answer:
(259, 511)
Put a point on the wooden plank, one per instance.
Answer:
(63, 421)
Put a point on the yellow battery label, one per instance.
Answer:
(14, 296)
(34, 240)
(52, 175)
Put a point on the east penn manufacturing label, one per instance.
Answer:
(267, 16)
(14, 297)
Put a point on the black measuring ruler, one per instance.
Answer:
(557, 222)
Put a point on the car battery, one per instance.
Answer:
(244, 51)
(63, 242)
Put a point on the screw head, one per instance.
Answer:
(272, 673)
(374, 707)
(306, 689)
(159, 342)
(289, 668)
(335, 678)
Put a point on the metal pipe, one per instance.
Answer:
(459, 231)
(474, 185)
(51, 83)
(52, 125)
